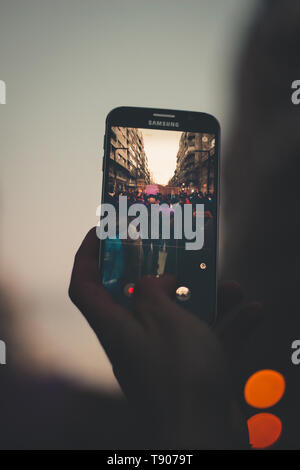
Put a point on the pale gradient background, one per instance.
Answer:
(66, 63)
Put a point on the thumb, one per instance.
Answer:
(151, 287)
(153, 298)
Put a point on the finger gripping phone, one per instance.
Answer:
(159, 210)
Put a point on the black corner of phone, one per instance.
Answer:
(159, 211)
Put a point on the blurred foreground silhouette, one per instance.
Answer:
(260, 250)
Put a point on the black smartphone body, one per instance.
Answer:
(159, 211)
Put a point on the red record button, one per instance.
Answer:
(129, 290)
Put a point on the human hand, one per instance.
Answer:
(170, 365)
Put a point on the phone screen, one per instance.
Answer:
(161, 187)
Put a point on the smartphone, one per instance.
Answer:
(159, 210)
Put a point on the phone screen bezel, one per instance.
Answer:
(188, 121)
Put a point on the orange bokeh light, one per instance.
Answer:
(264, 430)
(264, 388)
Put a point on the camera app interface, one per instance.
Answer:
(159, 215)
